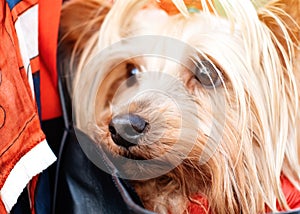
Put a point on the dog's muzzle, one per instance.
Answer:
(127, 129)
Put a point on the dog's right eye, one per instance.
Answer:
(132, 70)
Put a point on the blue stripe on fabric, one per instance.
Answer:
(36, 83)
(12, 3)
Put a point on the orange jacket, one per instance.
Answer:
(24, 151)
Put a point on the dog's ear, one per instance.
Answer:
(80, 21)
(283, 18)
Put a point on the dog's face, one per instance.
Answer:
(153, 98)
(211, 112)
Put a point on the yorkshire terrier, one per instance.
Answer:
(198, 101)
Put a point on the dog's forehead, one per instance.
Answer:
(158, 22)
(202, 33)
(149, 21)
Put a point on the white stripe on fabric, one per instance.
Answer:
(32, 163)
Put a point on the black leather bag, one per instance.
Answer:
(84, 188)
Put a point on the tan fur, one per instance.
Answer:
(257, 51)
(79, 21)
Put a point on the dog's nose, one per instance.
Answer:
(126, 129)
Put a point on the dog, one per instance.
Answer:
(199, 99)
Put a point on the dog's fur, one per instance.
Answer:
(256, 49)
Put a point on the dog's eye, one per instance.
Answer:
(207, 74)
(132, 70)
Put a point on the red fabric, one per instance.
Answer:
(292, 196)
(49, 14)
(19, 122)
(21, 7)
(195, 208)
(32, 188)
(2, 207)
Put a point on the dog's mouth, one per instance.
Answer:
(143, 146)
(124, 153)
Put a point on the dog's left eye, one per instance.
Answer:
(207, 73)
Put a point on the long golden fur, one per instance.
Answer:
(255, 47)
